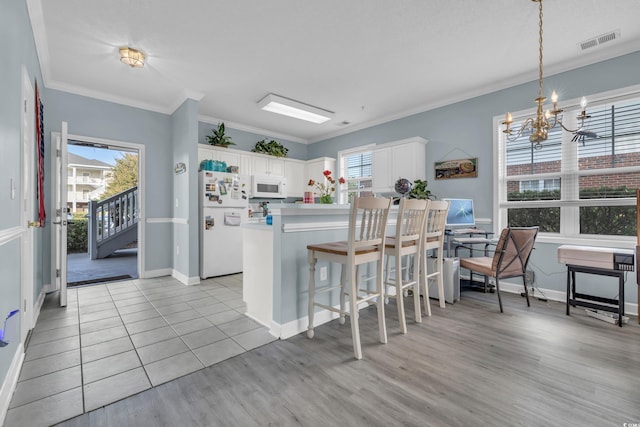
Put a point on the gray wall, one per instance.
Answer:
(17, 48)
(465, 129)
(185, 188)
(101, 119)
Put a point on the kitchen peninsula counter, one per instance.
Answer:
(275, 267)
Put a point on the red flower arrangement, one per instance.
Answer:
(325, 189)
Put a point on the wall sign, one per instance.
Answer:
(462, 168)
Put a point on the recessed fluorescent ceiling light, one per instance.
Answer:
(291, 108)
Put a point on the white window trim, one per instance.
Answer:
(570, 215)
(342, 168)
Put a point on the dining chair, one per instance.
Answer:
(407, 242)
(509, 260)
(433, 240)
(365, 244)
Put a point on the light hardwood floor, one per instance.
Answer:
(466, 365)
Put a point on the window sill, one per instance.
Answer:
(623, 242)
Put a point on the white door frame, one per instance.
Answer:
(141, 191)
(59, 213)
(27, 197)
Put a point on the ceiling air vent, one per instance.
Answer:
(344, 123)
(597, 41)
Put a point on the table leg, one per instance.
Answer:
(312, 290)
(568, 288)
(620, 300)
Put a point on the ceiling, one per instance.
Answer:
(369, 61)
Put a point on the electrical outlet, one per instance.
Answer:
(529, 276)
(323, 273)
(177, 250)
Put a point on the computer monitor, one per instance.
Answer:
(460, 213)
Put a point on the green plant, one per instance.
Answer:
(419, 190)
(219, 138)
(273, 148)
(77, 235)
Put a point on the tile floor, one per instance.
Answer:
(118, 339)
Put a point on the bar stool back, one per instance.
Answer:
(366, 241)
(434, 239)
(408, 240)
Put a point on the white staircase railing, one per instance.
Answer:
(111, 220)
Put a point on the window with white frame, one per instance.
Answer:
(575, 188)
(355, 167)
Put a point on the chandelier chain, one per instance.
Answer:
(540, 90)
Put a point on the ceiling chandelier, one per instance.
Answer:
(540, 125)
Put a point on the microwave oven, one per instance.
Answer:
(269, 187)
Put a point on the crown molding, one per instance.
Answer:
(599, 55)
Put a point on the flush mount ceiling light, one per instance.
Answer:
(132, 57)
(289, 107)
(540, 125)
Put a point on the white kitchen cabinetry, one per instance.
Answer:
(294, 172)
(398, 159)
(231, 157)
(315, 167)
(262, 164)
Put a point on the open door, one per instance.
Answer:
(59, 178)
(28, 201)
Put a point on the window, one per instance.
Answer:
(355, 167)
(573, 187)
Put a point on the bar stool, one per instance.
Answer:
(407, 241)
(434, 239)
(366, 243)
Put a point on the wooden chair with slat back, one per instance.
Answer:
(509, 260)
(365, 244)
(434, 240)
(407, 242)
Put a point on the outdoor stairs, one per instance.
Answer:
(113, 223)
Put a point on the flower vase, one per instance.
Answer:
(326, 199)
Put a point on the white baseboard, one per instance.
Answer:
(553, 295)
(36, 309)
(185, 279)
(10, 382)
(150, 274)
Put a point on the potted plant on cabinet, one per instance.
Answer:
(272, 148)
(219, 139)
(419, 190)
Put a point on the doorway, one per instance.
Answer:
(98, 175)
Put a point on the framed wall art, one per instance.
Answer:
(462, 168)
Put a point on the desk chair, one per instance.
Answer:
(509, 260)
(434, 239)
(407, 241)
(366, 243)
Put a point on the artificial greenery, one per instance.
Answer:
(419, 190)
(273, 148)
(219, 138)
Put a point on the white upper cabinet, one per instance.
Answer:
(262, 164)
(315, 167)
(294, 172)
(398, 159)
(230, 156)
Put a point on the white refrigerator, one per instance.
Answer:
(224, 202)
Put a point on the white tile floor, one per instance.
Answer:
(118, 339)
